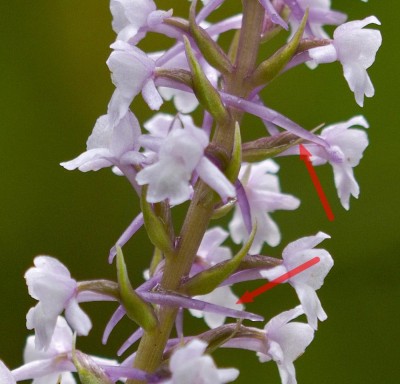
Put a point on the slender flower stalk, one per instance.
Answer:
(212, 173)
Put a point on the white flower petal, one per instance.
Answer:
(286, 342)
(50, 283)
(78, 319)
(215, 179)
(346, 184)
(304, 244)
(324, 54)
(188, 365)
(5, 375)
(166, 181)
(151, 95)
(311, 304)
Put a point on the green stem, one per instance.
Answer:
(247, 51)
(177, 266)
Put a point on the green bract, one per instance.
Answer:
(136, 308)
(271, 67)
(207, 95)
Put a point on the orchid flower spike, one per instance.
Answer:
(355, 47)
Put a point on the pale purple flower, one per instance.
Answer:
(59, 347)
(320, 14)
(47, 367)
(51, 284)
(179, 155)
(129, 16)
(355, 48)
(210, 249)
(309, 280)
(261, 185)
(132, 73)
(110, 145)
(189, 365)
(285, 342)
(348, 145)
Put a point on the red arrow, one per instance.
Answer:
(305, 156)
(249, 296)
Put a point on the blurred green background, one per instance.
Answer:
(54, 84)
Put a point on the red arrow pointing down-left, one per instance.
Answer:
(248, 297)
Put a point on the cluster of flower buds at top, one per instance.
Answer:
(172, 159)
